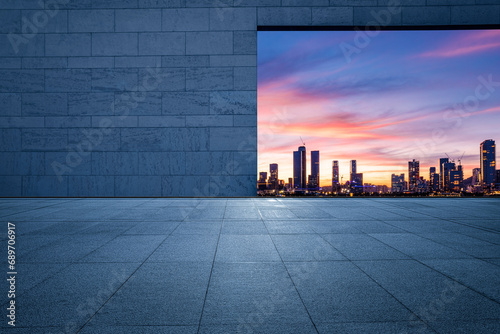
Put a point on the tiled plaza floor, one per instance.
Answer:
(254, 265)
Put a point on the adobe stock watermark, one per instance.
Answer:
(94, 137)
(436, 307)
(31, 26)
(247, 149)
(265, 309)
(453, 118)
(88, 307)
(363, 38)
(221, 7)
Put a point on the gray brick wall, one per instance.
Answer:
(154, 97)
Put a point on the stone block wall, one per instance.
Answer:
(120, 98)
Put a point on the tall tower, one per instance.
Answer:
(356, 179)
(273, 176)
(476, 176)
(353, 167)
(433, 179)
(442, 161)
(488, 162)
(335, 174)
(314, 178)
(448, 167)
(413, 174)
(299, 168)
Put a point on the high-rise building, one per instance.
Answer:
(262, 176)
(262, 182)
(397, 183)
(297, 163)
(335, 176)
(353, 169)
(356, 179)
(456, 177)
(476, 176)
(433, 179)
(273, 169)
(422, 186)
(299, 168)
(314, 177)
(273, 176)
(488, 162)
(448, 167)
(442, 161)
(413, 174)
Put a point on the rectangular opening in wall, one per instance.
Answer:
(357, 111)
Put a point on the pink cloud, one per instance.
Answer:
(465, 44)
(460, 51)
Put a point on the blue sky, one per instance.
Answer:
(405, 95)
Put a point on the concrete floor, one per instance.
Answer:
(254, 265)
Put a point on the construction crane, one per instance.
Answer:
(460, 160)
(302, 141)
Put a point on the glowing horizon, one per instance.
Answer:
(406, 95)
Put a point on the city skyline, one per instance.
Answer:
(374, 109)
(447, 167)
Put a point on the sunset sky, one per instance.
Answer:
(401, 97)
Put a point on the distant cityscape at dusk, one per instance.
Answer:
(446, 177)
(408, 95)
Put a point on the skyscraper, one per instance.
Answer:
(335, 176)
(488, 162)
(356, 178)
(433, 179)
(397, 183)
(273, 176)
(441, 174)
(456, 179)
(299, 168)
(314, 177)
(476, 176)
(262, 177)
(262, 182)
(448, 167)
(413, 174)
(353, 167)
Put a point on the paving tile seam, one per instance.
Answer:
(247, 262)
(210, 276)
(420, 236)
(447, 276)
(42, 281)
(289, 276)
(451, 221)
(319, 219)
(128, 278)
(104, 244)
(452, 247)
(42, 207)
(383, 288)
(391, 247)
